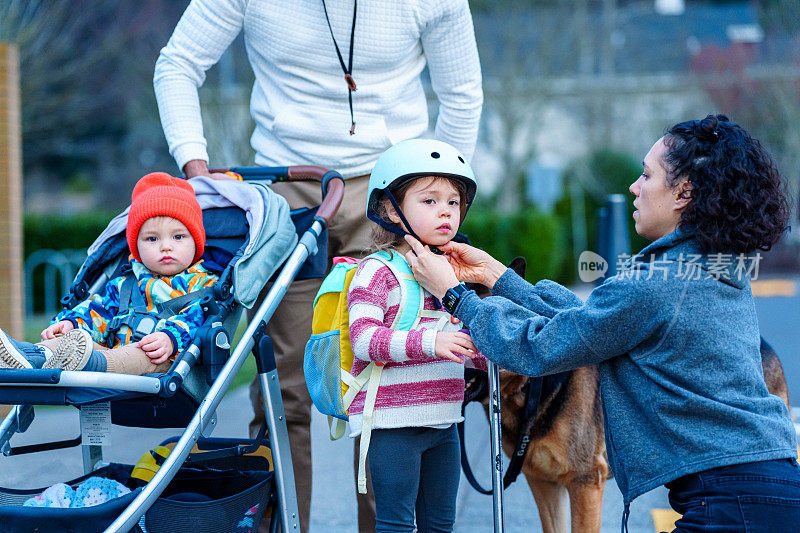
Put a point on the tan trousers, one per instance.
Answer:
(290, 329)
(127, 359)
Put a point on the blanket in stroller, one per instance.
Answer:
(93, 491)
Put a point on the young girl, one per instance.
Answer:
(423, 188)
(674, 335)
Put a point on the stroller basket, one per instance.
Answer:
(199, 498)
(15, 517)
(207, 500)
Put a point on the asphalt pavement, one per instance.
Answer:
(778, 311)
(333, 507)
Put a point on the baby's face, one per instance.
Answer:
(165, 246)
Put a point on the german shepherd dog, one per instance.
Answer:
(567, 451)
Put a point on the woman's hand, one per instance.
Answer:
(432, 271)
(57, 329)
(198, 167)
(157, 346)
(473, 265)
(452, 344)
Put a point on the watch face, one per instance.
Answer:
(451, 298)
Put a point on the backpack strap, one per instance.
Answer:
(442, 317)
(366, 426)
(355, 384)
(412, 298)
(336, 426)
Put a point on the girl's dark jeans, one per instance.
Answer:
(415, 472)
(760, 497)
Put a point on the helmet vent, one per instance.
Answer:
(461, 159)
(435, 155)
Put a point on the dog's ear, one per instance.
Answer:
(481, 290)
(518, 265)
(511, 383)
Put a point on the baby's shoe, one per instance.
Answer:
(73, 352)
(10, 356)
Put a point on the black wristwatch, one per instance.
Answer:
(452, 297)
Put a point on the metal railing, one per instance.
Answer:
(60, 267)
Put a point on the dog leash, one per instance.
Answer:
(529, 411)
(476, 390)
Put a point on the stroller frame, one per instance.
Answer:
(204, 419)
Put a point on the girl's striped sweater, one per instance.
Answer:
(417, 388)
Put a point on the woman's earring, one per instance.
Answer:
(686, 193)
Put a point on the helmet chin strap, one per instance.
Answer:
(397, 230)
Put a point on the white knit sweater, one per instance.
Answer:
(299, 100)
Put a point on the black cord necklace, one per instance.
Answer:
(348, 70)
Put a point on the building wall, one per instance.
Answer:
(570, 119)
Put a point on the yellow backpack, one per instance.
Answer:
(328, 356)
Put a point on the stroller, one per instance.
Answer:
(245, 251)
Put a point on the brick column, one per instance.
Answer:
(11, 280)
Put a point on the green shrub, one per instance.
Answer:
(609, 173)
(527, 233)
(59, 232)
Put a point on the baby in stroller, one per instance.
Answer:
(124, 328)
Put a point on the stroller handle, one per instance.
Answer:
(331, 181)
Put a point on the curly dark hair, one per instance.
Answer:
(738, 202)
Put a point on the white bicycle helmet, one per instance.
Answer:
(415, 158)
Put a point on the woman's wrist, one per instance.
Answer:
(494, 269)
(443, 286)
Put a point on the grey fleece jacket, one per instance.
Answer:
(678, 357)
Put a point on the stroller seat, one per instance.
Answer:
(252, 237)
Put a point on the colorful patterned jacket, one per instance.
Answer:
(95, 313)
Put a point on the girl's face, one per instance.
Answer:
(658, 206)
(165, 246)
(432, 206)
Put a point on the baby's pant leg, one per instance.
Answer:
(130, 359)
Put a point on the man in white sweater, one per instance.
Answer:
(336, 84)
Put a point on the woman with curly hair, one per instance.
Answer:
(674, 334)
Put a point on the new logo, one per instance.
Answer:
(591, 266)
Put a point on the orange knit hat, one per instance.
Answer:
(159, 194)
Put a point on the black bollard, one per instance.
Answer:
(618, 244)
(602, 233)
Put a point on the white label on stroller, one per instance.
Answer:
(96, 424)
